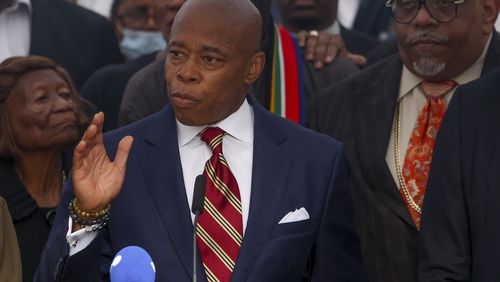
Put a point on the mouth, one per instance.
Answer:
(183, 100)
(304, 4)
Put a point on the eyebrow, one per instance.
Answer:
(204, 48)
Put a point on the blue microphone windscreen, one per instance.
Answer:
(132, 264)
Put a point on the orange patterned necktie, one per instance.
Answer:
(220, 228)
(421, 145)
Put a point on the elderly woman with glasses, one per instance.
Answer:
(41, 115)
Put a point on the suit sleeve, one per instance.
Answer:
(444, 253)
(90, 264)
(337, 253)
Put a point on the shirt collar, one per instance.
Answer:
(238, 125)
(410, 80)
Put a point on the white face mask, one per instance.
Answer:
(136, 43)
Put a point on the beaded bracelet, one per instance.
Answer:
(91, 221)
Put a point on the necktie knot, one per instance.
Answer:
(436, 89)
(212, 136)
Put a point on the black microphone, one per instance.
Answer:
(197, 208)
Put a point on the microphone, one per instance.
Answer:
(197, 208)
(132, 264)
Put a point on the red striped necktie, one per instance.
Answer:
(220, 227)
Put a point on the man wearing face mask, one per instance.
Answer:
(141, 26)
(138, 26)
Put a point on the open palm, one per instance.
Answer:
(96, 179)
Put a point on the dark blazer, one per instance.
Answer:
(105, 87)
(79, 40)
(460, 222)
(360, 113)
(357, 42)
(373, 18)
(293, 167)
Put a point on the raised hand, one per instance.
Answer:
(96, 179)
(322, 48)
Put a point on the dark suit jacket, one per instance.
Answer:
(105, 87)
(357, 42)
(293, 167)
(460, 222)
(79, 40)
(360, 113)
(373, 18)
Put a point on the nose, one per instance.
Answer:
(423, 17)
(188, 71)
(151, 23)
(62, 103)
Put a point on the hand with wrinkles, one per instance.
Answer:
(322, 48)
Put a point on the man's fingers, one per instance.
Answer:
(302, 38)
(78, 155)
(311, 43)
(123, 152)
(100, 125)
(335, 46)
(357, 59)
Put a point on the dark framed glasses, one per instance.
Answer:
(405, 11)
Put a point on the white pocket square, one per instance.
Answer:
(296, 215)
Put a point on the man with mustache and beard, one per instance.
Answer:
(388, 116)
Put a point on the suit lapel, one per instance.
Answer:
(162, 169)
(269, 174)
(374, 116)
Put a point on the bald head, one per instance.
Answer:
(238, 18)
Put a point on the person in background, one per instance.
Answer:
(41, 114)
(146, 91)
(145, 25)
(321, 15)
(138, 24)
(388, 116)
(77, 39)
(10, 260)
(278, 167)
(370, 17)
(460, 226)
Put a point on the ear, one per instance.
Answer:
(255, 67)
(490, 13)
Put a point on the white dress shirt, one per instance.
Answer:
(15, 29)
(237, 147)
(347, 11)
(412, 100)
(102, 7)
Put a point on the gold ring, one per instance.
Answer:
(313, 33)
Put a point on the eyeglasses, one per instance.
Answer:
(137, 15)
(405, 11)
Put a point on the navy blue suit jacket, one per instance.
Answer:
(293, 167)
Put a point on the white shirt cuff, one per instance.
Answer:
(80, 239)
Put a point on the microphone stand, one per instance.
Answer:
(197, 209)
(195, 247)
